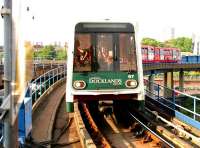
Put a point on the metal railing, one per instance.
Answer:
(42, 83)
(4, 108)
(174, 100)
(193, 59)
(36, 89)
(42, 59)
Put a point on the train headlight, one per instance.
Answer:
(80, 84)
(131, 83)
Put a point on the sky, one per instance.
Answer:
(155, 17)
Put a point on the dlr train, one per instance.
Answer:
(152, 54)
(107, 63)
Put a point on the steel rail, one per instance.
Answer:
(166, 142)
(196, 139)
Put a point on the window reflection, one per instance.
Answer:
(127, 52)
(112, 52)
(105, 52)
(82, 58)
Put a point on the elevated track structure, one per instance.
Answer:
(169, 98)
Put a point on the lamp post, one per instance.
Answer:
(6, 13)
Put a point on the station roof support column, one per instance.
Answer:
(181, 80)
(151, 83)
(168, 83)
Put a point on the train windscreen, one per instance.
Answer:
(127, 52)
(105, 52)
(109, 52)
(96, 51)
(82, 52)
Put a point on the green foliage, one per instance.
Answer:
(61, 55)
(50, 52)
(150, 41)
(184, 43)
(47, 52)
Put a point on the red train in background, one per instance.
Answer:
(152, 54)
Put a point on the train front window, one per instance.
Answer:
(82, 52)
(105, 52)
(127, 52)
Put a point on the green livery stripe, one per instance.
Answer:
(105, 80)
(69, 107)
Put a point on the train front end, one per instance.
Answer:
(106, 65)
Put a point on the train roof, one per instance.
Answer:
(85, 27)
(147, 46)
(168, 48)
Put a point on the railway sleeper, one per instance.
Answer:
(163, 131)
(95, 133)
(178, 130)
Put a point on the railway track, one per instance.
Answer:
(180, 129)
(145, 129)
(128, 137)
(107, 132)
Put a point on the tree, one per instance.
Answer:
(61, 54)
(151, 42)
(184, 43)
(47, 52)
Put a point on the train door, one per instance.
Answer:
(150, 54)
(144, 55)
(157, 54)
(176, 55)
(168, 55)
(162, 57)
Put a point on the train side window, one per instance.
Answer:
(144, 53)
(168, 54)
(82, 52)
(162, 54)
(161, 51)
(127, 52)
(150, 53)
(175, 54)
(157, 51)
